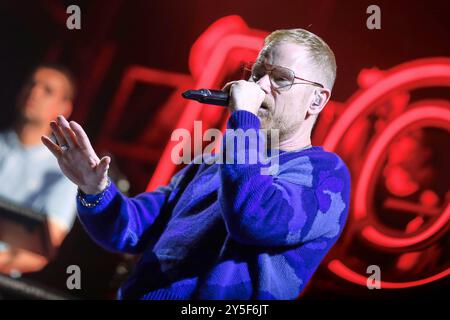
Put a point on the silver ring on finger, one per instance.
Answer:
(64, 147)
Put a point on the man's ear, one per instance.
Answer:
(319, 100)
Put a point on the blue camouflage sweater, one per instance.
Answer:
(226, 230)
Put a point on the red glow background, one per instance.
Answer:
(389, 117)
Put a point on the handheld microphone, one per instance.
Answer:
(208, 96)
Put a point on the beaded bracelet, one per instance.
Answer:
(81, 196)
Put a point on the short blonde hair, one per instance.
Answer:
(320, 53)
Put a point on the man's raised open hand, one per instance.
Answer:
(76, 157)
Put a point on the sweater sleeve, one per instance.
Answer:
(118, 222)
(264, 210)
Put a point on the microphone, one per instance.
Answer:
(208, 96)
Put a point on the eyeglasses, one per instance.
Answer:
(281, 78)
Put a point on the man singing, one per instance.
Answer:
(226, 230)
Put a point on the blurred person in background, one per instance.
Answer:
(29, 175)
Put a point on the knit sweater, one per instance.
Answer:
(223, 230)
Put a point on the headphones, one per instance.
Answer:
(317, 99)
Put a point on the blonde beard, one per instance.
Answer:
(284, 132)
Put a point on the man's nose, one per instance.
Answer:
(264, 83)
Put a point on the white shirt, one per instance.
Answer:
(31, 177)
